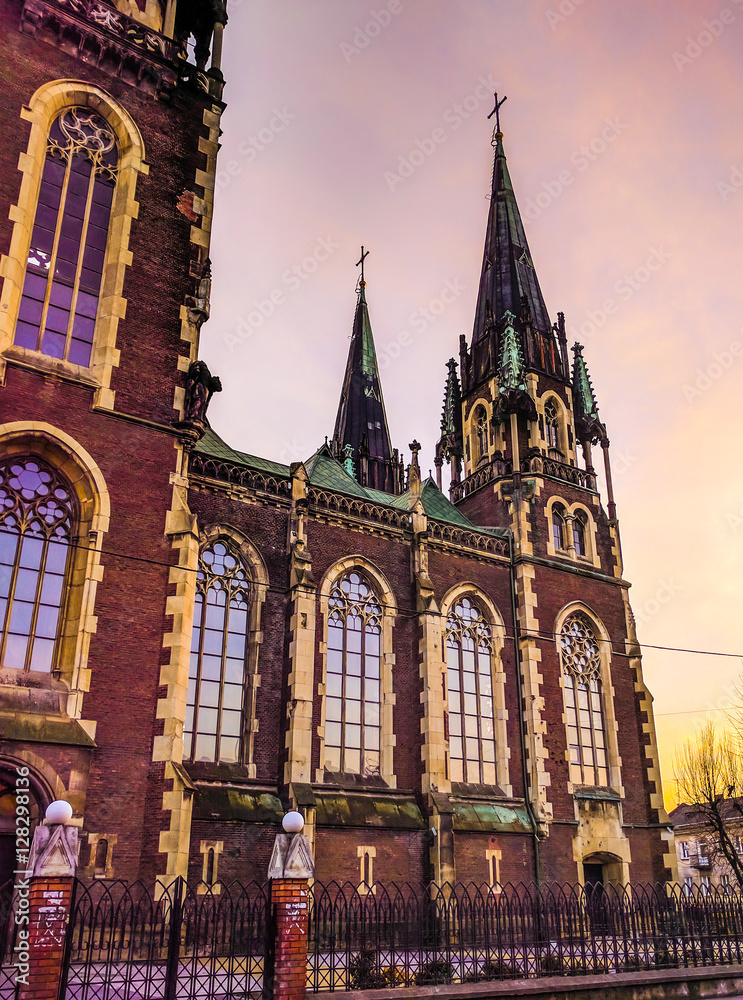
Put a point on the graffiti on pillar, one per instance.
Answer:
(51, 920)
(296, 916)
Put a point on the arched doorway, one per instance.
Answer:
(33, 796)
(602, 869)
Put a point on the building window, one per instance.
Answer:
(214, 713)
(101, 857)
(37, 518)
(558, 528)
(688, 884)
(481, 431)
(725, 880)
(68, 242)
(552, 426)
(581, 664)
(366, 856)
(684, 853)
(705, 884)
(579, 533)
(738, 841)
(352, 680)
(703, 855)
(469, 656)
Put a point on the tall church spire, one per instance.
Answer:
(361, 422)
(508, 282)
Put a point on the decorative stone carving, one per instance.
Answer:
(200, 387)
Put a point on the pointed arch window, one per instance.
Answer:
(64, 268)
(581, 664)
(37, 524)
(481, 432)
(559, 534)
(352, 681)
(216, 688)
(579, 533)
(552, 425)
(469, 655)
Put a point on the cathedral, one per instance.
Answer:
(446, 683)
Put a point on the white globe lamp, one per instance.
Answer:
(58, 811)
(293, 822)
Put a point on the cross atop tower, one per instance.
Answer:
(361, 262)
(496, 112)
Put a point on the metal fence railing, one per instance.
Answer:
(405, 935)
(132, 942)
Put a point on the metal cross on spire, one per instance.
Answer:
(361, 262)
(496, 112)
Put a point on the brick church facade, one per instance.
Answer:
(447, 684)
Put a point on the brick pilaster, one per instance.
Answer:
(290, 906)
(50, 901)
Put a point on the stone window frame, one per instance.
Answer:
(564, 420)
(213, 888)
(256, 567)
(608, 694)
(502, 750)
(44, 106)
(470, 433)
(591, 558)
(366, 855)
(387, 659)
(85, 571)
(493, 858)
(93, 841)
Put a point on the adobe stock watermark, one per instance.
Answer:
(420, 320)
(625, 288)
(726, 188)
(706, 377)
(365, 34)
(581, 159)
(291, 281)
(734, 520)
(664, 595)
(250, 148)
(559, 14)
(453, 118)
(711, 29)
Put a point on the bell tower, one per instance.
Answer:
(111, 121)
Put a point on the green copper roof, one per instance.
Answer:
(212, 444)
(439, 508)
(324, 471)
(583, 394)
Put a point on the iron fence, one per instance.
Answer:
(9, 957)
(404, 935)
(126, 942)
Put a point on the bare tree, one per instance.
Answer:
(709, 776)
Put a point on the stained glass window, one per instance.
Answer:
(68, 242)
(581, 664)
(37, 518)
(469, 655)
(352, 682)
(219, 646)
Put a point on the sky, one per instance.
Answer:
(352, 123)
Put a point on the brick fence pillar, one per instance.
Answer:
(290, 906)
(48, 889)
(290, 869)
